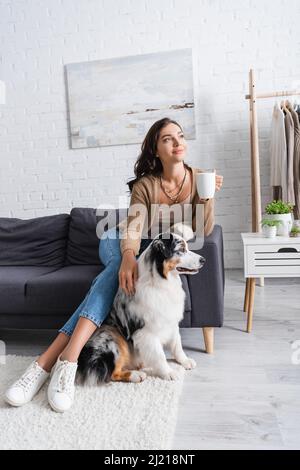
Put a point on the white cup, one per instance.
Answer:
(206, 183)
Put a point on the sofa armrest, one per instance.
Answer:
(207, 287)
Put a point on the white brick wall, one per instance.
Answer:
(40, 175)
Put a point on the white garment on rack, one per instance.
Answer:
(278, 151)
(290, 144)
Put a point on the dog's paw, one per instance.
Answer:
(170, 374)
(188, 363)
(137, 376)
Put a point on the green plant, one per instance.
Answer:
(295, 229)
(279, 207)
(270, 223)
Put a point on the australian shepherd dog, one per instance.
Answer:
(138, 327)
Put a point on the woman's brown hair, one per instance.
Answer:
(147, 162)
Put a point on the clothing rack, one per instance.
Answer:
(255, 166)
(254, 149)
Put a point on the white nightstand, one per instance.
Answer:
(267, 257)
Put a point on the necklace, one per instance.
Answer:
(175, 197)
(172, 190)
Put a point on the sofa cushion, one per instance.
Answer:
(63, 289)
(13, 285)
(84, 233)
(34, 242)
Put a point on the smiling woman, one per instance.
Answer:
(164, 143)
(162, 177)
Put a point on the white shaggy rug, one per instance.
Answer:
(123, 416)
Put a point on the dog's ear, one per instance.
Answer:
(163, 244)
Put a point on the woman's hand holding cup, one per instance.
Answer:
(207, 183)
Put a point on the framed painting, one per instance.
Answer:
(115, 101)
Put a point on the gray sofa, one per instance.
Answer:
(48, 263)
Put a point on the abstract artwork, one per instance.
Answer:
(115, 101)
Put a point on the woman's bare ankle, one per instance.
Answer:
(68, 356)
(45, 364)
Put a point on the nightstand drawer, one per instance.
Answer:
(272, 260)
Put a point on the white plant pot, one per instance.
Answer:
(269, 232)
(284, 228)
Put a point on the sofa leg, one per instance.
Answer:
(208, 334)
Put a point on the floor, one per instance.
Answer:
(247, 394)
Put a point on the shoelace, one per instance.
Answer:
(29, 377)
(65, 379)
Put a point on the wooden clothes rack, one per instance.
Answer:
(255, 166)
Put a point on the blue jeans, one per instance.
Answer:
(98, 301)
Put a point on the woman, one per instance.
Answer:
(161, 177)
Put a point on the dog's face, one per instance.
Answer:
(172, 254)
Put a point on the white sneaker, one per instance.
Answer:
(61, 388)
(24, 389)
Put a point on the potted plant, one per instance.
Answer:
(295, 231)
(279, 210)
(269, 227)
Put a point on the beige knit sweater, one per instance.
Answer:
(146, 193)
